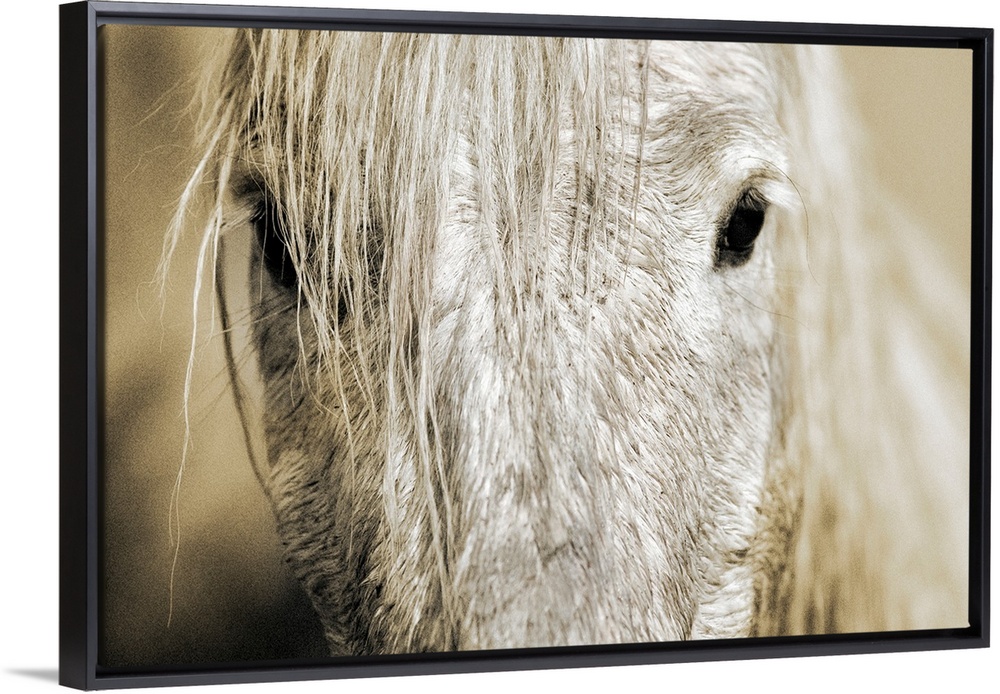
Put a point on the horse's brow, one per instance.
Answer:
(699, 110)
(687, 131)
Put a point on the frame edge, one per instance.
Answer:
(77, 221)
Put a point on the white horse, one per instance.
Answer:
(576, 341)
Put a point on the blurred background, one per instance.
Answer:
(233, 600)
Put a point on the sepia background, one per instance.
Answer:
(29, 582)
(232, 598)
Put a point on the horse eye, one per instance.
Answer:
(738, 233)
(272, 235)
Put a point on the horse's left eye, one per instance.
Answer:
(272, 237)
(739, 231)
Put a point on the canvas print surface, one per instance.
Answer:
(424, 342)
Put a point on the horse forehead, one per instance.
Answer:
(746, 75)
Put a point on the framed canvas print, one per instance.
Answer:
(416, 342)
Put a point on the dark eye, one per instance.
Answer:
(272, 237)
(739, 230)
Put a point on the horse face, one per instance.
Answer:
(517, 336)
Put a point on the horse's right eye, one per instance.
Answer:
(272, 237)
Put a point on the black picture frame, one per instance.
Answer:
(81, 279)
